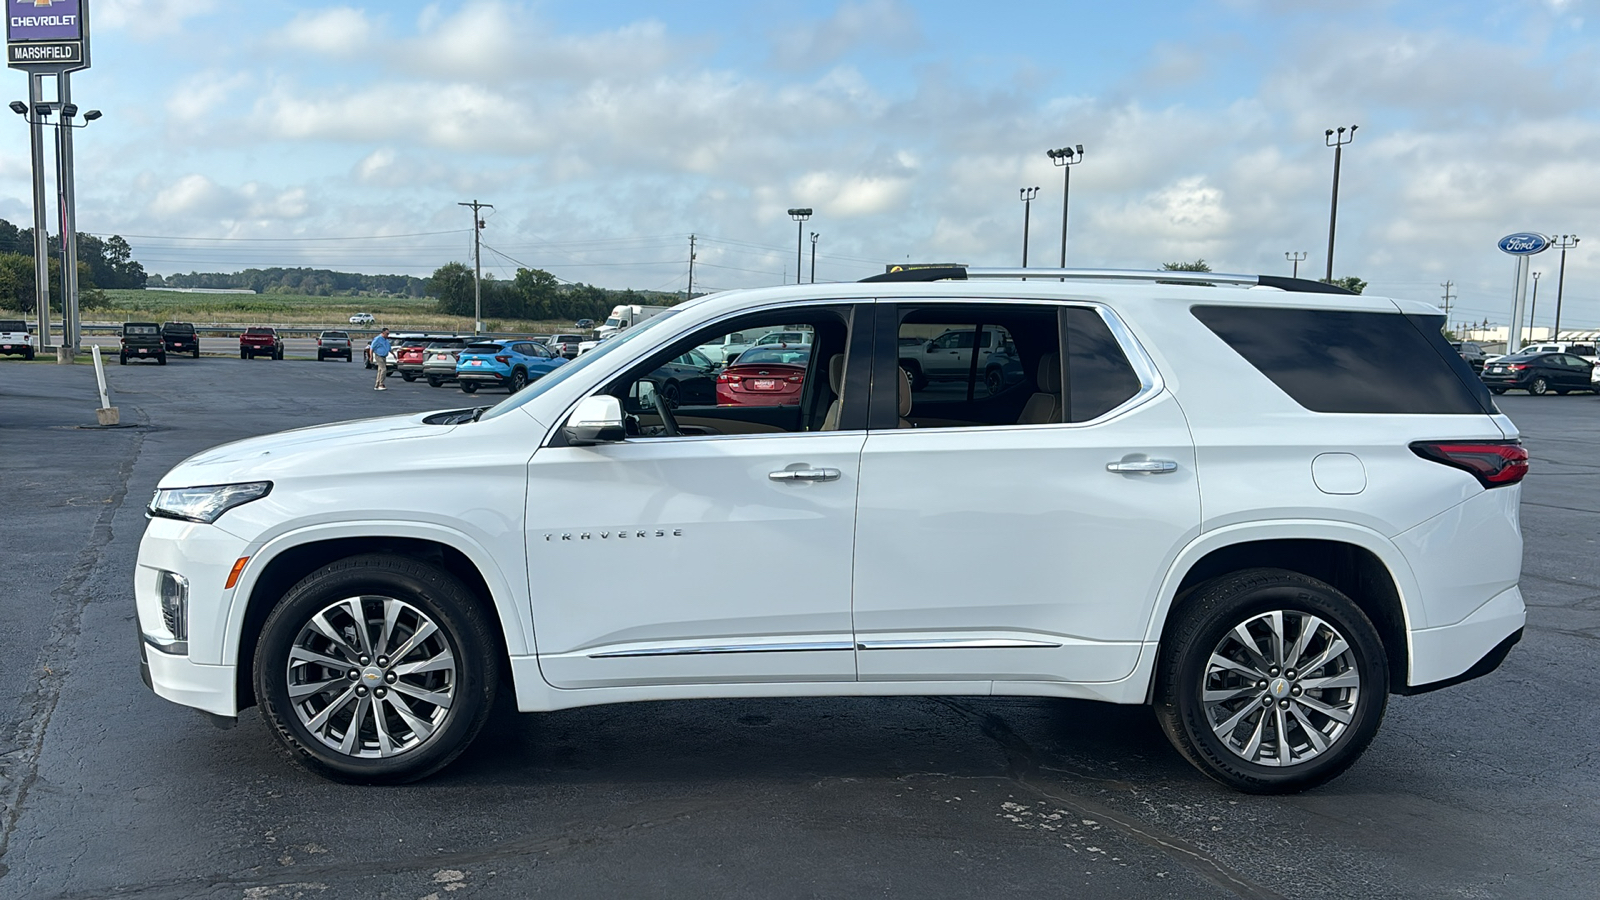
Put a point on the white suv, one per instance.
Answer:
(1259, 505)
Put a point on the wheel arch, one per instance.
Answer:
(282, 563)
(1357, 562)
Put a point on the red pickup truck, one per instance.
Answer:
(260, 342)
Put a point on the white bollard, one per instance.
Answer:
(106, 414)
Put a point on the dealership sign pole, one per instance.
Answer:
(1522, 245)
(51, 38)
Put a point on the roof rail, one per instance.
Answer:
(963, 273)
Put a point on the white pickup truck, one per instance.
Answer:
(948, 356)
(16, 338)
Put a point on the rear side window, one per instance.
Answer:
(1338, 361)
(1098, 373)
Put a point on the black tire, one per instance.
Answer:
(1539, 386)
(244, 354)
(994, 378)
(469, 387)
(278, 355)
(321, 357)
(671, 394)
(1561, 392)
(122, 359)
(435, 381)
(409, 376)
(918, 379)
(519, 380)
(161, 360)
(197, 350)
(1203, 627)
(378, 581)
(28, 354)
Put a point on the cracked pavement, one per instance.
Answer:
(1487, 789)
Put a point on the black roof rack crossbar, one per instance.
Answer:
(961, 273)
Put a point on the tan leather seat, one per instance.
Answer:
(1044, 407)
(830, 422)
(905, 399)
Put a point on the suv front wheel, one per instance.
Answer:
(376, 669)
(1271, 681)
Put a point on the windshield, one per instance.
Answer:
(139, 329)
(561, 373)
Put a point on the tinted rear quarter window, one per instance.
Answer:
(1098, 373)
(1339, 361)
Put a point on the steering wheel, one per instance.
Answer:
(668, 423)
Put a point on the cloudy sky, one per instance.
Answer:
(343, 135)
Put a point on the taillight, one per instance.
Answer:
(1518, 368)
(1493, 463)
(796, 378)
(502, 359)
(725, 378)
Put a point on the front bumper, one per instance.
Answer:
(201, 670)
(210, 689)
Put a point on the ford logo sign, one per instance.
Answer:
(1524, 243)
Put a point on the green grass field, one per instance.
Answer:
(400, 313)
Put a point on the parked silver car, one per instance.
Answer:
(439, 360)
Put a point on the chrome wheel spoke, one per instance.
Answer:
(312, 688)
(1242, 635)
(439, 699)
(352, 732)
(317, 722)
(1342, 716)
(1283, 736)
(443, 662)
(419, 726)
(391, 613)
(1313, 733)
(1222, 662)
(1275, 623)
(1226, 728)
(1336, 648)
(358, 614)
(422, 633)
(1308, 630)
(385, 742)
(1253, 746)
(301, 654)
(1347, 679)
(1226, 694)
(326, 629)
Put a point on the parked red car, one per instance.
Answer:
(765, 376)
(409, 356)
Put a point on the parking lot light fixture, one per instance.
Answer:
(1297, 257)
(1026, 196)
(1563, 243)
(18, 107)
(1065, 158)
(799, 215)
(1336, 138)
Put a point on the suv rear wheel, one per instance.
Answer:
(376, 669)
(1271, 681)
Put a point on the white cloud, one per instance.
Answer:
(882, 24)
(339, 31)
(148, 18)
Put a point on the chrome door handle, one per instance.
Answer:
(1143, 466)
(805, 475)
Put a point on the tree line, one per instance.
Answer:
(532, 294)
(312, 282)
(101, 264)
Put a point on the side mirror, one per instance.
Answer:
(596, 420)
(932, 346)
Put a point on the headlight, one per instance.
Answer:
(205, 504)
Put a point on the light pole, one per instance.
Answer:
(799, 216)
(1297, 257)
(41, 254)
(1533, 310)
(1027, 195)
(1564, 243)
(67, 201)
(1336, 140)
(1065, 158)
(814, 237)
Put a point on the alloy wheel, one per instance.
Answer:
(372, 676)
(1281, 688)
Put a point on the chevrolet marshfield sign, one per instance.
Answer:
(47, 35)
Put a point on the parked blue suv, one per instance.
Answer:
(507, 364)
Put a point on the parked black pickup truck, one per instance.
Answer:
(142, 340)
(179, 337)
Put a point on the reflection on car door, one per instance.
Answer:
(1011, 552)
(694, 559)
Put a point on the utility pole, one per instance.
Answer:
(1447, 298)
(691, 268)
(814, 237)
(1336, 140)
(1564, 243)
(1297, 257)
(1026, 195)
(1533, 310)
(477, 264)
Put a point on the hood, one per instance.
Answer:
(259, 458)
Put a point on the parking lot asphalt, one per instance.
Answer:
(1487, 789)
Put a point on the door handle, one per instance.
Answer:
(805, 475)
(1143, 467)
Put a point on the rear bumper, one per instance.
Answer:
(482, 377)
(1473, 647)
